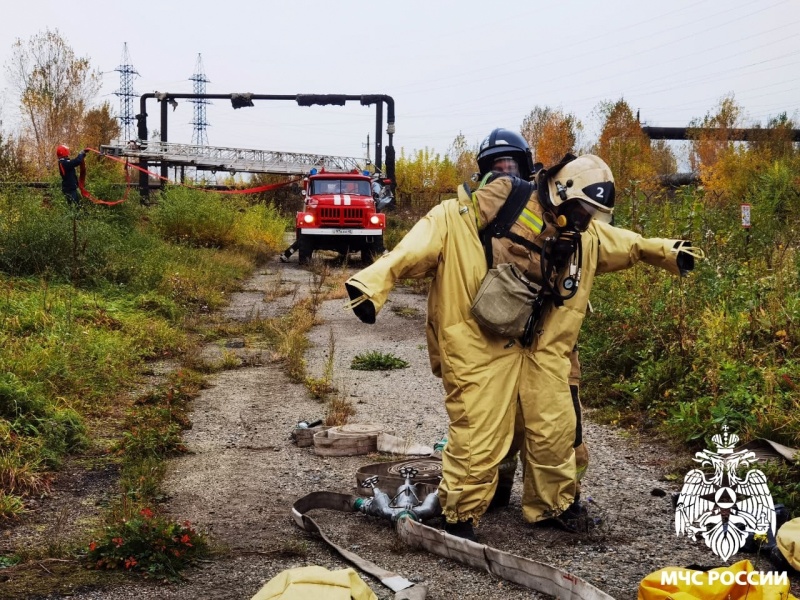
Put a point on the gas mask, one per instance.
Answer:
(576, 214)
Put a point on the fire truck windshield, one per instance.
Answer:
(354, 187)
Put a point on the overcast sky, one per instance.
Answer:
(451, 66)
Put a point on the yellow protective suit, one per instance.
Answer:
(487, 377)
(315, 583)
(581, 450)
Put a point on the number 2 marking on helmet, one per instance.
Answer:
(599, 192)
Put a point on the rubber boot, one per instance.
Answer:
(574, 519)
(288, 252)
(501, 498)
(462, 529)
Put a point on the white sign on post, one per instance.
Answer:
(746, 216)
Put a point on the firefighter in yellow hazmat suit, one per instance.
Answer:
(488, 377)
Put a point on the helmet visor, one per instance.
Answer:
(507, 165)
(602, 214)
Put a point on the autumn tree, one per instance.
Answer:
(775, 141)
(730, 167)
(533, 125)
(424, 177)
(463, 157)
(99, 127)
(551, 134)
(710, 136)
(626, 148)
(664, 160)
(55, 88)
(12, 162)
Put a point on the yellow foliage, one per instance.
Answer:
(731, 167)
(626, 149)
(713, 139)
(425, 177)
(550, 134)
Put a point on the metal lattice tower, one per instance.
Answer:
(126, 95)
(199, 136)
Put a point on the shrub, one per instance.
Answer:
(148, 544)
(152, 433)
(30, 414)
(34, 241)
(259, 229)
(718, 346)
(396, 229)
(194, 217)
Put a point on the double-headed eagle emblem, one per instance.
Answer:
(724, 508)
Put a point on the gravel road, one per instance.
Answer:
(243, 472)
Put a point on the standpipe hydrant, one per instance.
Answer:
(405, 503)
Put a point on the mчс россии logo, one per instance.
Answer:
(727, 505)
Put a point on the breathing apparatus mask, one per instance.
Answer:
(576, 215)
(575, 191)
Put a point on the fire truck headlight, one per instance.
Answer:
(308, 218)
(374, 219)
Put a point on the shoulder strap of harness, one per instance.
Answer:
(521, 190)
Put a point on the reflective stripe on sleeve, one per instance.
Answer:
(531, 220)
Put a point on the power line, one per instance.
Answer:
(199, 136)
(126, 95)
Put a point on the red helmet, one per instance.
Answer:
(62, 151)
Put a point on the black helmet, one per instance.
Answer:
(503, 142)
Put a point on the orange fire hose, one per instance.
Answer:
(128, 165)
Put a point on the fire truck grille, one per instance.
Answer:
(341, 216)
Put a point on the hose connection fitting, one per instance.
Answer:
(405, 503)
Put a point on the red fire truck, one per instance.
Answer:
(339, 214)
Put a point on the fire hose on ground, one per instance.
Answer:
(406, 511)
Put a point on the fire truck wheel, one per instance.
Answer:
(304, 250)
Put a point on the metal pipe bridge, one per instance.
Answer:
(215, 158)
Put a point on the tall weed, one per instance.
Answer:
(87, 296)
(720, 345)
(193, 217)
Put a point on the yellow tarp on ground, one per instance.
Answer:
(789, 542)
(315, 583)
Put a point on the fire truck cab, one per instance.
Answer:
(339, 214)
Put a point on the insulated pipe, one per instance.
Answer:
(685, 133)
(378, 140)
(390, 128)
(164, 119)
(301, 99)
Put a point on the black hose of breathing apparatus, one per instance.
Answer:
(557, 253)
(571, 249)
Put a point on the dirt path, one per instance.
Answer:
(243, 472)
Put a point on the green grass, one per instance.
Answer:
(722, 346)
(87, 298)
(377, 361)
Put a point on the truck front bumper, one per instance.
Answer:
(339, 231)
